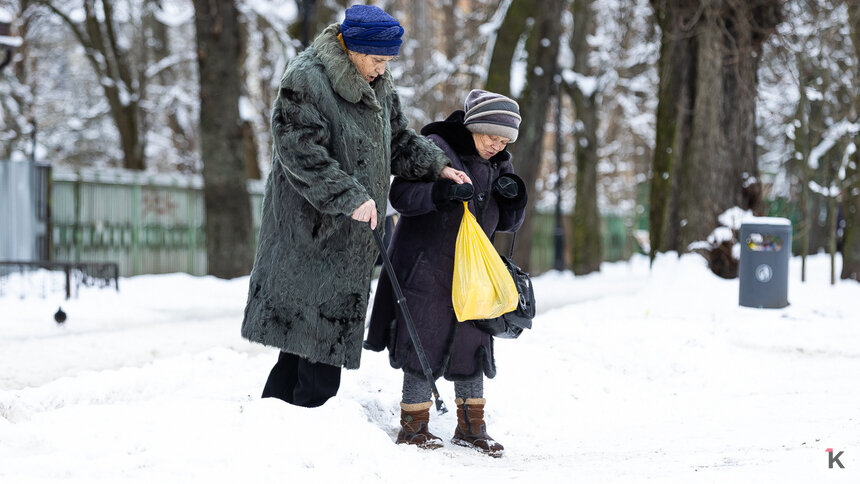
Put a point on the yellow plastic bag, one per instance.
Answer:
(483, 288)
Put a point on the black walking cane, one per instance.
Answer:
(401, 300)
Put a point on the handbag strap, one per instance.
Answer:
(513, 239)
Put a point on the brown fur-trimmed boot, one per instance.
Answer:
(471, 430)
(413, 420)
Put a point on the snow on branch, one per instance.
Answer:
(167, 63)
(586, 84)
(831, 136)
(175, 14)
(831, 191)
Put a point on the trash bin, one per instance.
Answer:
(763, 270)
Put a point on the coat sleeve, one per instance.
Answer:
(413, 156)
(411, 198)
(509, 220)
(300, 135)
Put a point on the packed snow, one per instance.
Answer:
(631, 374)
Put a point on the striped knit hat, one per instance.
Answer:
(493, 114)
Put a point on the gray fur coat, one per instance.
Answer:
(336, 140)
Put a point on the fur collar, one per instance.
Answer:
(344, 76)
(458, 137)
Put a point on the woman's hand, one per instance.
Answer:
(366, 212)
(458, 176)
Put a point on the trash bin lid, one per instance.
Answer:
(778, 221)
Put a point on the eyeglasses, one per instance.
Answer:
(497, 141)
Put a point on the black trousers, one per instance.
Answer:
(297, 381)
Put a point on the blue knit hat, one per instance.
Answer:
(369, 30)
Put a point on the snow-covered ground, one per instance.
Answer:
(628, 375)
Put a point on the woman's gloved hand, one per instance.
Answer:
(505, 186)
(510, 191)
(447, 194)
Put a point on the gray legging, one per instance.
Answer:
(416, 389)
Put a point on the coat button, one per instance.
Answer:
(480, 197)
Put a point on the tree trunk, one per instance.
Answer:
(802, 147)
(228, 214)
(542, 47)
(851, 194)
(450, 90)
(513, 27)
(708, 159)
(587, 244)
(738, 118)
(249, 138)
(250, 152)
(587, 235)
(128, 123)
(851, 213)
(266, 87)
(704, 186)
(423, 35)
(673, 122)
(833, 160)
(320, 15)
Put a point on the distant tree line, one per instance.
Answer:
(667, 112)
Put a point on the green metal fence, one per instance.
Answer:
(146, 223)
(616, 231)
(155, 223)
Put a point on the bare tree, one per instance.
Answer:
(442, 55)
(229, 248)
(167, 108)
(115, 67)
(813, 118)
(14, 91)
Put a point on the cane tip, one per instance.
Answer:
(440, 406)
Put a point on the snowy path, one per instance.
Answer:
(627, 376)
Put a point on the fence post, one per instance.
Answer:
(135, 227)
(191, 227)
(68, 272)
(77, 235)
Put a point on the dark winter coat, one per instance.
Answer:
(336, 141)
(422, 253)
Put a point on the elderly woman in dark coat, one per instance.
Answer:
(422, 253)
(338, 134)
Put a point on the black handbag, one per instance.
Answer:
(511, 324)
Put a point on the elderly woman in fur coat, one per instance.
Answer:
(339, 133)
(422, 254)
